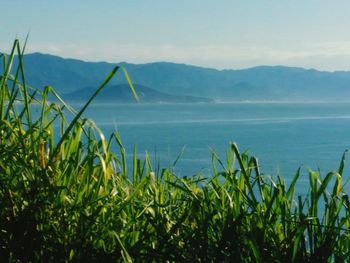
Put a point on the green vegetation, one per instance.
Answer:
(65, 196)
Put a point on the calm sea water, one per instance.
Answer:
(283, 136)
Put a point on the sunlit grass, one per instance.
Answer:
(66, 196)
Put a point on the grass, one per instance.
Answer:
(66, 196)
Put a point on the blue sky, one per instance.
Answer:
(220, 34)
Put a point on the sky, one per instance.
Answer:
(223, 34)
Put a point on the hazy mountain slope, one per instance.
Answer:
(259, 83)
(63, 74)
(122, 93)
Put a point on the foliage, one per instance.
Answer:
(66, 196)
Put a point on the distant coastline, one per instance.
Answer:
(168, 82)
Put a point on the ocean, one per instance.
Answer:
(283, 136)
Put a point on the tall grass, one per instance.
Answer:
(66, 196)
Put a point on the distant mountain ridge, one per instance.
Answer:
(258, 83)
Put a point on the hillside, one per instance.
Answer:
(259, 83)
(122, 94)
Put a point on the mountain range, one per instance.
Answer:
(164, 81)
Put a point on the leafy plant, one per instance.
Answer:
(66, 196)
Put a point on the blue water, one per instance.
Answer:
(283, 136)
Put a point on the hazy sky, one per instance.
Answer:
(212, 33)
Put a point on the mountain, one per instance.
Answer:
(258, 83)
(122, 94)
